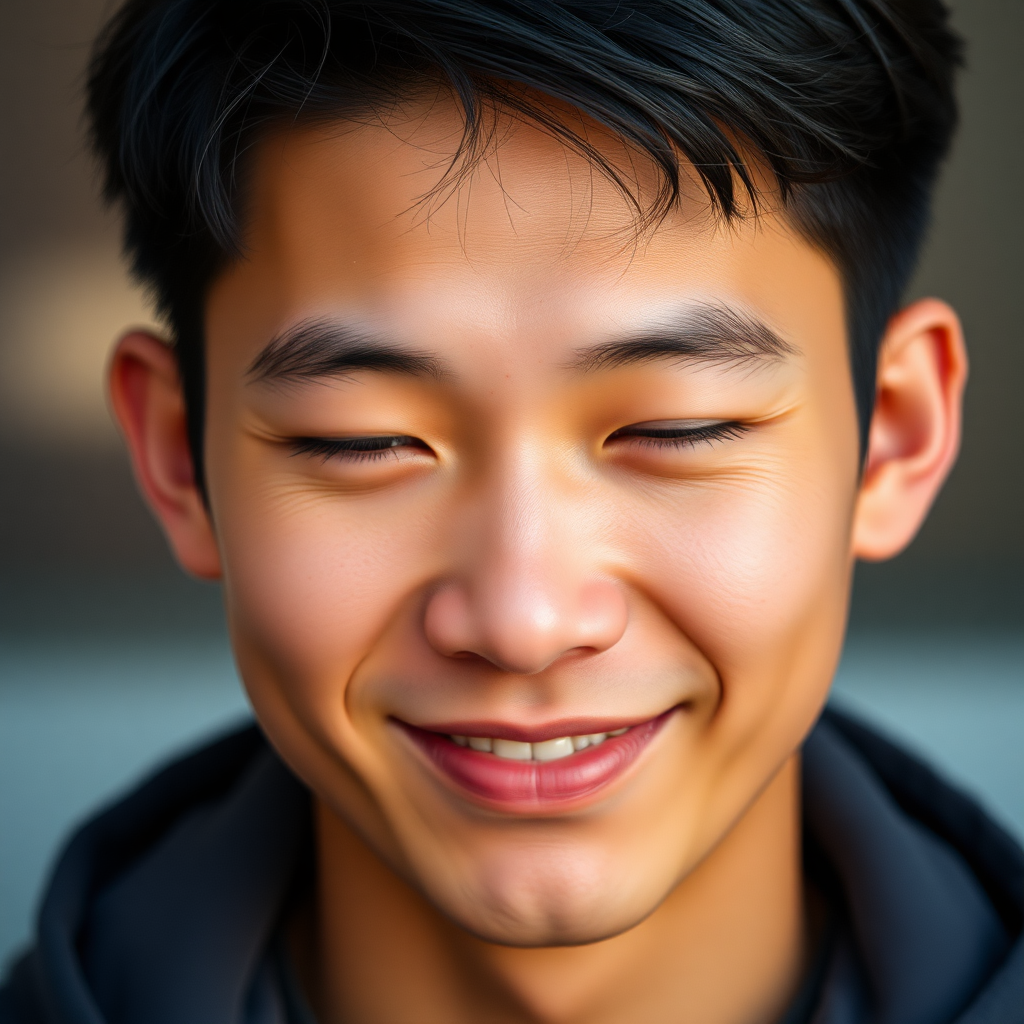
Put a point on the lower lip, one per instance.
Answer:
(532, 785)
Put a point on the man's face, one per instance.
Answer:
(493, 466)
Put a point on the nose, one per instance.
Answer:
(526, 592)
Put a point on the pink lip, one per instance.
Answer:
(533, 785)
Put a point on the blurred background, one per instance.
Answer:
(110, 659)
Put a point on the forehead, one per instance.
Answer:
(531, 239)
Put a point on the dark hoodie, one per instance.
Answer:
(166, 908)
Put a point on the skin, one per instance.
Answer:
(518, 563)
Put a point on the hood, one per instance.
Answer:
(164, 908)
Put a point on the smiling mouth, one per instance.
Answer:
(544, 750)
(521, 774)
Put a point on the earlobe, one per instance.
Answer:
(915, 429)
(147, 401)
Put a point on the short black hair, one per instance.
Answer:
(849, 103)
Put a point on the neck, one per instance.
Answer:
(726, 946)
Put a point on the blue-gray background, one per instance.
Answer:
(110, 660)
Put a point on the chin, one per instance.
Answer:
(543, 904)
(543, 932)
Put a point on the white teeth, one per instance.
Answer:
(552, 750)
(545, 750)
(513, 750)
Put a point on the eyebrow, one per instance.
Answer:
(318, 348)
(701, 333)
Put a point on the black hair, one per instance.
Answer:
(848, 103)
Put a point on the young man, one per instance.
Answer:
(536, 377)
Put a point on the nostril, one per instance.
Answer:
(581, 652)
(523, 629)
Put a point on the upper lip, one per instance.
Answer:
(530, 733)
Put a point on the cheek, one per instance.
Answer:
(762, 561)
(311, 585)
(755, 571)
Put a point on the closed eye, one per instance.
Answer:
(679, 433)
(356, 449)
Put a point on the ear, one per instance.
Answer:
(915, 429)
(149, 405)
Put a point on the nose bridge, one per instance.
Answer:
(529, 586)
(525, 513)
(523, 578)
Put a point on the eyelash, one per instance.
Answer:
(354, 449)
(372, 449)
(682, 437)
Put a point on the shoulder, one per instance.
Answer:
(933, 888)
(156, 852)
(944, 810)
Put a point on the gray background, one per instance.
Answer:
(110, 658)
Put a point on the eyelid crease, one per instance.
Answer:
(363, 446)
(694, 433)
(676, 425)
